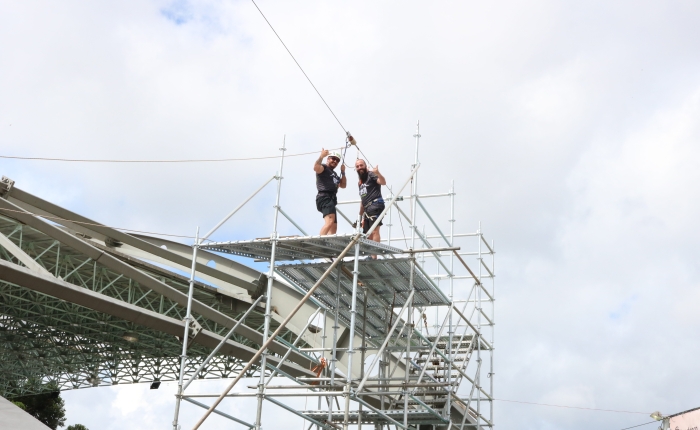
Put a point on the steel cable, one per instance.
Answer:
(211, 160)
(299, 65)
(571, 407)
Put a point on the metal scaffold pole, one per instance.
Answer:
(478, 341)
(351, 347)
(186, 335)
(450, 333)
(411, 283)
(493, 331)
(334, 351)
(268, 293)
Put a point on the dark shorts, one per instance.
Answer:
(325, 203)
(371, 215)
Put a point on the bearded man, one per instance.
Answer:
(372, 205)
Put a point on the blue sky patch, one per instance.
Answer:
(624, 308)
(179, 11)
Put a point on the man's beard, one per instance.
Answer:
(363, 174)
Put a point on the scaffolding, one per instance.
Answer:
(395, 349)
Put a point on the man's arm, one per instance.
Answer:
(318, 167)
(380, 178)
(362, 219)
(343, 179)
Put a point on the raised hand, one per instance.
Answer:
(324, 153)
(376, 170)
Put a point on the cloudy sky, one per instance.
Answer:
(571, 129)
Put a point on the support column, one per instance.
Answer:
(268, 294)
(477, 380)
(363, 351)
(186, 335)
(353, 318)
(450, 333)
(334, 352)
(411, 284)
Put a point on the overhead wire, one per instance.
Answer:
(204, 160)
(52, 217)
(639, 425)
(220, 159)
(572, 407)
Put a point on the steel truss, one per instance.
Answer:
(407, 340)
(88, 326)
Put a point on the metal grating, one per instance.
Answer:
(415, 416)
(300, 247)
(387, 286)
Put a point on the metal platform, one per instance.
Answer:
(299, 247)
(370, 417)
(386, 281)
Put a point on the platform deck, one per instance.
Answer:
(300, 247)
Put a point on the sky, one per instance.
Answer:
(571, 131)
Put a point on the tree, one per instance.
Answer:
(77, 427)
(48, 407)
(20, 405)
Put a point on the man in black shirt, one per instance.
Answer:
(372, 204)
(327, 184)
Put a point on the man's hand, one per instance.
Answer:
(342, 167)
(318, 167)
(380, 178)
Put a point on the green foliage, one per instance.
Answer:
(48, 407)
(20, 405)
(77, 427)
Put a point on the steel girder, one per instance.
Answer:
(43, 338)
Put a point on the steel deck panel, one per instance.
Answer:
(300, 247)
(386, 282)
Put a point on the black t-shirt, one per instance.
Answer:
(370, 190)
(327, 181)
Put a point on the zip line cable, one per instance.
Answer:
(299, 65)
(572, 407)
(77, 160)
(210, 160)
(639, 425)
(310, 82)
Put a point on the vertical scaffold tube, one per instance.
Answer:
(477, 380)
(411, 282)
(334, 351)
(353, 317)
(492, 374)
(324, 332)
(450, 333)
(186, 335)
(268, 294)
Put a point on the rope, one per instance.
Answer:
(299, 65)
(95, 225)
(211, 160)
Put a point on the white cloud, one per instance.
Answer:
(571, 130)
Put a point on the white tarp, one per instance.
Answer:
(687, 421)
(13, 418)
